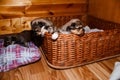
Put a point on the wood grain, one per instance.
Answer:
(14, 25)
(41, 71)
(14, 2)
(56, 9)
(105, 9)
(39, 2)
(21, 8)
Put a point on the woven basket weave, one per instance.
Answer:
(70, 50)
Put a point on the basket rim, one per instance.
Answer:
(71, 34)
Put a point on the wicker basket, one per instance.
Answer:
(70, 50)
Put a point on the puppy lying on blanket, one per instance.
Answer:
(19, 38)
(15, 39)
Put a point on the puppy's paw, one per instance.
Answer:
(55, 36)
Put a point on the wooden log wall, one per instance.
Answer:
(13, 25)
(13, 12)
(105, 9)
(19, 8)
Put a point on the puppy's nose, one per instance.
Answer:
(73, 24)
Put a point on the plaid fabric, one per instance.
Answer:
(15, 55)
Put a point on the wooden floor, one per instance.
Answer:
(41, 71)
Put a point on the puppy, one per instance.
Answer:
(74, 26)
(41, 26)
(20, 38)
(9, 40)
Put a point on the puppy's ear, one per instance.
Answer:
(50, 29)
(73, 24)
(46, 27)
(33, 24)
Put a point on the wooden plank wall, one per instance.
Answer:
(13, 25)
(105, 9)
(19, 8)
(13, 12)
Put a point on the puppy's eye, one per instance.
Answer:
(41, 24)
(73, 24)
(46, 27)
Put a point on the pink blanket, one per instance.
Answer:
(15, 55)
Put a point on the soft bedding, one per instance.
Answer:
(15, 55)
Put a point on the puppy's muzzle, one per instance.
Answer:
(78, 32)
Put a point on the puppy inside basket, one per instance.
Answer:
(74, 26)
(41, 26)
